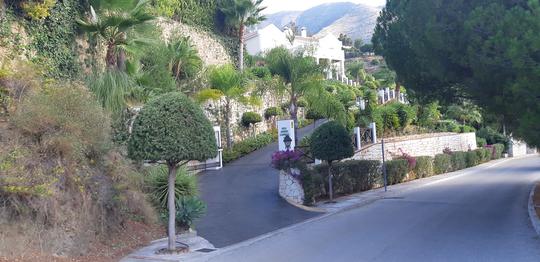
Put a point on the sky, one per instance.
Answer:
(274, 6)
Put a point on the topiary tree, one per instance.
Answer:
(331, 142)
(173, 130)
(251, 119)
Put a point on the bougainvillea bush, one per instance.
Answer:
(285, 160)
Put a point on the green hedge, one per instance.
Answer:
(396, 171)
(442, 163)
(472, 159)
(349, 177)
(498, 149)
(247, 146)
(459, 160)
(483, 154)
(481, 142)
(424, 167)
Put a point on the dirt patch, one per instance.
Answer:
(134, 236)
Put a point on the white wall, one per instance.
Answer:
(420, 145)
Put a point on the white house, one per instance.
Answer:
(325, 49)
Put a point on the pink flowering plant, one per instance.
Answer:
(285, 160)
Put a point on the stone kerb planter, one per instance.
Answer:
(290, 188)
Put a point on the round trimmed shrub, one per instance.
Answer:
(250, 118)
(424, 166)
(396, 171)
(313, 115)
(272, 112)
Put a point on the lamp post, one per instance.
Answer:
(287, 141)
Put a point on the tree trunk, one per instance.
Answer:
(228, 122)
(241, 48)
(330, 187)
(121, 60)
(172, 207)
(110, 58)
(293, 108)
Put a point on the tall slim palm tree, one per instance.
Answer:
(302, 77)
(112, 22)
(239, 14)
(228, 85)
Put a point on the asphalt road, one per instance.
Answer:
(480, 216)
(242, 199)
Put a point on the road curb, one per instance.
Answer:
(535, 220)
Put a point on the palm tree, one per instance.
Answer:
(112, 23)
(238, 15)
(301, 77)
(356, 71)
(227, 85)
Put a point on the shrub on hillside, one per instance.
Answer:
(66, 121)
(396, 171)
(442, 163)
(250, 118)
(349, 177)
(424, 166)
(272, 112)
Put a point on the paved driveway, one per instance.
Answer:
(480, 216)
(243, 200)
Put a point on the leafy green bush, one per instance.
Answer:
(157, 181)
(313, 115)
(261, 72)
(349, 177)
(250, 118)
(498, 149)
(396, 171)
(424, 166)
(472, 159)
(459, 160)
(188, 209)
(466, 129)
(386, 118)
(272, 112)
(483, 155)
(481, 142)
(331, 142)
(247, 146)
(448, 126)
(442, 163)
(406, 113)
(195, 13)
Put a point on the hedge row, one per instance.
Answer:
(349, 177)
(247, 146)
(360, 175)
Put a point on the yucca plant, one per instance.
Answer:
(188, 209)
(184, 60)
(185, 185)
(114, 89)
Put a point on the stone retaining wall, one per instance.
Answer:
(419, 145)
(290, 188)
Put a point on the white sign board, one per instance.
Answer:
(285, 127)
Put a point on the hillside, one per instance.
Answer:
(355, 20)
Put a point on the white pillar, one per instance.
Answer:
(342, 67)
(373, 127)
(358, 138)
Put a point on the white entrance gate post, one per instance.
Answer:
(285, 128)
(373, 127)
(358, 141)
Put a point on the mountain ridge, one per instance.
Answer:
(355, 20)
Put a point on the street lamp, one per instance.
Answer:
(287, 140)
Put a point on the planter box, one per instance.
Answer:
(290, 188)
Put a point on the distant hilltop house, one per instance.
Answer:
(326, 49)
